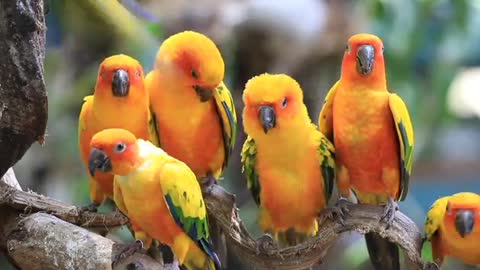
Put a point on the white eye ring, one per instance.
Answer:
(137, 73)
(119, 148)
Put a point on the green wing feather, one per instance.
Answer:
(326, 157)
(228, 116)
(406, 141)
(435, 216)
(249, 157)
(184, 199)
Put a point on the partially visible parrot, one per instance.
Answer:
(453, 228)
(159, 194)
(288, 163)
(195, 115)
(373, 137)
(120, 100)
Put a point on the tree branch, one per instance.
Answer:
(42, 241)
(221, 206)
(362, 219)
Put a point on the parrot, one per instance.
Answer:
(158, 193)
(120, 100)
(195, 117)
(373, 138)
(193, 109)
(453, 228)
(289, 165)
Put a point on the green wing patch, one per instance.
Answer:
(326, 157)
(406, 141)
(249, 156)
(228, 115)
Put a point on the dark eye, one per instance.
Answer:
(194, 74)
(137, 73)
(102, 73)
(119, 148)
(347, 48)
(383, 49)
(284, 102)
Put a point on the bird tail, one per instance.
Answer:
(219, 242)
(383, 253)
(291, 237)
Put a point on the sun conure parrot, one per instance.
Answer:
(373, 137)
(195, 115)
(453, 228)
(159, 194)
(194, 111)
(288, 163)
(120, 100)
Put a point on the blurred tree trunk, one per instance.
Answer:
(23, 98)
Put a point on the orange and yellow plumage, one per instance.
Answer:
(372, 133)
(288, 163)
(159, 194)
(107, 108)
(450, 217)
(194, 111)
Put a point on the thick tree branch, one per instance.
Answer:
(23, 98)
(362, 219)
(221, 206)
(42, 241)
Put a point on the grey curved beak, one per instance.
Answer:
(120, 83)
(266, 115)
(464, 222)
(365, 59)
(98, 160)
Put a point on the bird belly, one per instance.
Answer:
(366, 143)
(145, 204)
(193, 135)
(291, 196)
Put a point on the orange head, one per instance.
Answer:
(117, 74)
(272, 103)
(113, 150)
(195, 59)
(462, 216)
(363, 61)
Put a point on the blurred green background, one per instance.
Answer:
(432, 51)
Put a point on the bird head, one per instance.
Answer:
(272, 102)
(196, 59)
(461, 216)
(117, 75)
(363, 59)
(113, 150)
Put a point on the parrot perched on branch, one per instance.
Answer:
(288, 163)
(194, 111)
(373, 137)
(453, 228)
(159, 194)
(120, 100)
(196, 121)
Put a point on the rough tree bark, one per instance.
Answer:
(34, 236)
(22, 236)
(23, 98)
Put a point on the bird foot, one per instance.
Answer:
(127, 251)
(207, 182)
(93, 207)
(389, 212)
(265, 243)
(340, 210)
